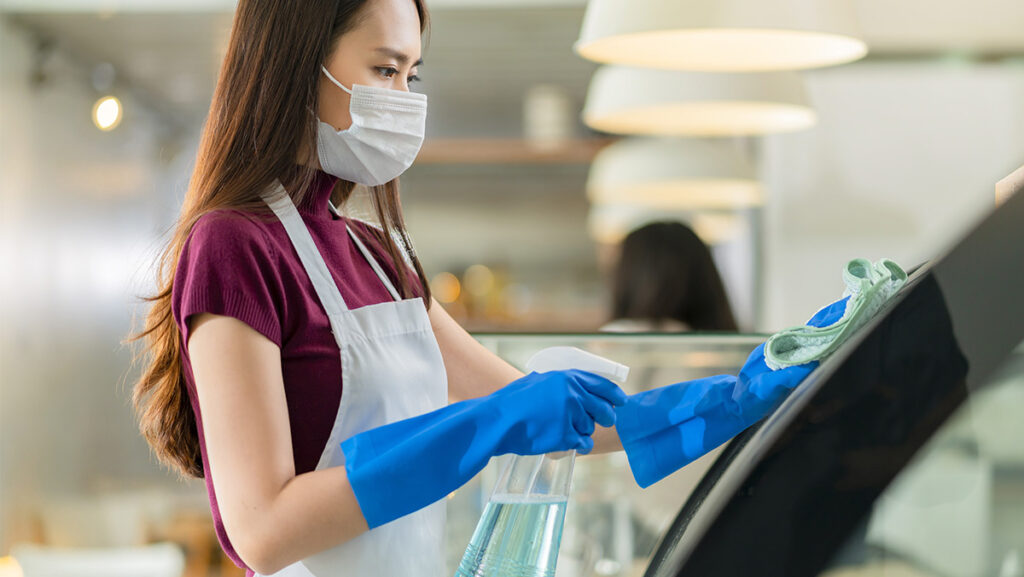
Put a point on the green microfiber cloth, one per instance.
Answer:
(868, 285)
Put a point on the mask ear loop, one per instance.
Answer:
(334, 80)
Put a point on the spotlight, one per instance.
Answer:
(107, 113)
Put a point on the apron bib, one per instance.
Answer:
(392, 370)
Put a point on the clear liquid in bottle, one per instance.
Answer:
(516, 537)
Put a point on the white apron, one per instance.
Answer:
(391, 370)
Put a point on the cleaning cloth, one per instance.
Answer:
(868, 287)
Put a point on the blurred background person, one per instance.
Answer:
(666, 281)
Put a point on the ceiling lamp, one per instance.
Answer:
(609, 224)
(717, 228)
(721, 35)
(623, 100)
(673, 174)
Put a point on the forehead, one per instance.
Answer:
(389, 23)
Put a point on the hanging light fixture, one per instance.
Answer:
(625, 100)
(721, 35)
(717, 228)
(608, 224)
(673, 174)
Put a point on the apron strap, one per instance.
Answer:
(312, 261)
(373, 263)
(368, 255)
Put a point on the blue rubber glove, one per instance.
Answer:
(404, 466)
(534, 409)
(667, 428)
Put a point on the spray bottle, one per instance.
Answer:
(521, 527)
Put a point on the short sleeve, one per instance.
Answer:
(228, 266)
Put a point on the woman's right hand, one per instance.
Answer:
(553, 411)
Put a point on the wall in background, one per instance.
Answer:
(79, 221)
(903, 161)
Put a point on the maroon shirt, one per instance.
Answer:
(236, 265)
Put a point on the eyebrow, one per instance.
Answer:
(399, 56)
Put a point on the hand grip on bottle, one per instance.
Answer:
(564, 358)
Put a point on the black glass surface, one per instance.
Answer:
(784, 497)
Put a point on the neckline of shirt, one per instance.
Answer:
(318, 203)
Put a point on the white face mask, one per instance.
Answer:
(385, 136)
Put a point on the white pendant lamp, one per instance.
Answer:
(609, 224)
(626, 100)
(721, 35)
(673, 174)
(717, 228)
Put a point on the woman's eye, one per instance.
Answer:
(389, 72)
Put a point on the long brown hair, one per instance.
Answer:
(259, 121)
(666, 271)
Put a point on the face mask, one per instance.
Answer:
(385, 136)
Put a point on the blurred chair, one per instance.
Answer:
(158, 560)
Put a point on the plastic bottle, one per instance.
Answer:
(521, 527)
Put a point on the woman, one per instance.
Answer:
(315, 466)
(666, 280)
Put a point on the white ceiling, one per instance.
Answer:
(483, 54)
(478, 64)
(228, 5)
(915, 25)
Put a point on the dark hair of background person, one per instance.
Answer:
(262, 115)
(665, 271)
